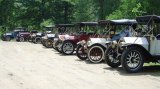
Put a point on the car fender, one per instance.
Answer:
(100, 41)
(140, 41)
(148, 56)
(97, 44)
(71, 42)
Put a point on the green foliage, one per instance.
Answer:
(128, 9)
(84, 10)
(153, 6)
(34, 14)
(46, 23)
(63, 11)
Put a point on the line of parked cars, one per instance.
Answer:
(126, 42)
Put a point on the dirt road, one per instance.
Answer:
(31, 66)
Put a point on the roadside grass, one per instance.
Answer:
(152, 68)
(152, 64)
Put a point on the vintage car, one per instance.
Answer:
(36, 37)
(95, 47)
(133, 52)
(48, 38)
(69, 42)
(33, 32)
(63, 31)
(25, 36)
(81, 50)
(12, 35)
(22, 36)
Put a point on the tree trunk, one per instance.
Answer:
(101, 3)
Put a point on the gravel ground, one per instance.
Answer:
(31, 66)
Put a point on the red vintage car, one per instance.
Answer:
(82, 32)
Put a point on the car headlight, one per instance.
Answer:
(83, 42)
(121, 41)
(114, 42)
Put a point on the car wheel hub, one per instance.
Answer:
(133, 59)
(112, 56)
(96, 54)
(68, 47)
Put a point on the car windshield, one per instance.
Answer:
(123, 33)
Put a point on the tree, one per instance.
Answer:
(63, 11)
(128, 9)
(6, 14)
(85, 11)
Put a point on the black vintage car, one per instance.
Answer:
(12, 35)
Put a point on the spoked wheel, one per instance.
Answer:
(132, 59)
(38, 40)
(48, 43)
(68, 48)
(96, 54)
(21, 39)
(111, 57)
(80, 52)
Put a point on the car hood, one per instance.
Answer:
(66, 37)
(50, 35)
(7, 34)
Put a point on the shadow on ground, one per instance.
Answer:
(88, 62)
(147, 70)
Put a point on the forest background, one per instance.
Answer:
(34, 14)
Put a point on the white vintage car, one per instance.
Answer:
(96, 46)
(133, 52)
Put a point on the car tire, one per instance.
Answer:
(8, 38)
(96, 54)
(132, 59)
(48, 43)
(110, 57)
(80, 52)
(21, 39)
(38, 40)
(67, 48)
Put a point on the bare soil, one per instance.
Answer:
(31, 66)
